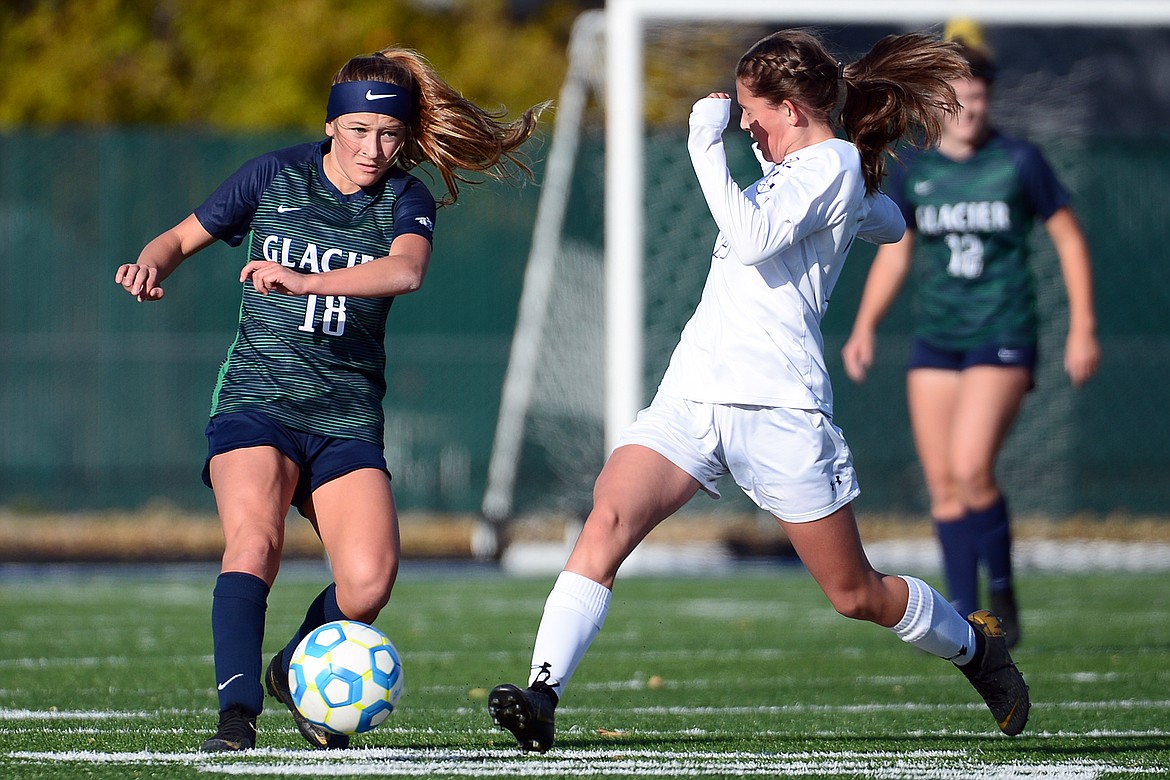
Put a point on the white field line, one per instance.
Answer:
(641, 732)
(812, 709)
(614, 762)
(881, 765)
(14, 714)
(39, 719)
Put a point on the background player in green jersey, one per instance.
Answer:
(970, 205)
(334, 230)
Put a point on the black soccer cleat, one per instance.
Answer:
(1003, 605)
(528, 714)
(995, 676)
(237, 731)
(276, 681)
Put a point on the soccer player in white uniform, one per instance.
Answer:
(747, 392)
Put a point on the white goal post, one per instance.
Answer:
(596, 375)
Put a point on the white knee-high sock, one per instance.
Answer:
(933, 625)
(573, 615)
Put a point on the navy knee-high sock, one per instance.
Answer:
(323, 610)
(960, 555)
(238, 605)
(993, 528)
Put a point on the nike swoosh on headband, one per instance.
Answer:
(377, 97)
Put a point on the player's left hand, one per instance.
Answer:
(1082, 355)
(269, 277)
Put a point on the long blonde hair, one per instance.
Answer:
(447, 130)
(899, 89)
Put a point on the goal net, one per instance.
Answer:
(622, 243)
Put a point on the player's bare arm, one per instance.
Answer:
(1082, 352)
(400, 272)
(161, 257)
(887, 274)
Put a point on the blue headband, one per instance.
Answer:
(376, 97)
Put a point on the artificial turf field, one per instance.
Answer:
(108, 674)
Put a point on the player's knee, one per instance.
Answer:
(974, 484)
(602, 546)
(856, 603)
(362, 594)
(253, 550)
(941, 487)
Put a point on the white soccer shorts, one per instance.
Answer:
(793, 463)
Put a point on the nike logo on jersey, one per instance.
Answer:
(371, 96)
(229, 681)
(287, 209)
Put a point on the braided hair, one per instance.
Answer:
(899, 89)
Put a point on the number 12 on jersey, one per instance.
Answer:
(966, 255)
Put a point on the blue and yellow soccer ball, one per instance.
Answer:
(346, 677)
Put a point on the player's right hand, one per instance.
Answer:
(141, 281)
(714, 110)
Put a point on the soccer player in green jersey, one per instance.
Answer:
(970, 205)
(334, 230)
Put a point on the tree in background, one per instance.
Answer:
(260, 64)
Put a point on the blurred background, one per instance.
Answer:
(116, 120)
(117, 117)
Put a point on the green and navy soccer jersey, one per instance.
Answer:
(971, 220)
(314, 363)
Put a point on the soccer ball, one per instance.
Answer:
(346, 677)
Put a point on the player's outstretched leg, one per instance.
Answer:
(527, 713)
(995, 676)
(276, 681)
(237, 731)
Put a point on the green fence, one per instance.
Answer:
(1100, 448)
(103, 400)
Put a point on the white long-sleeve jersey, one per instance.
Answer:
(755, 337)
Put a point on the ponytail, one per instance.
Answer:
(899, 89)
